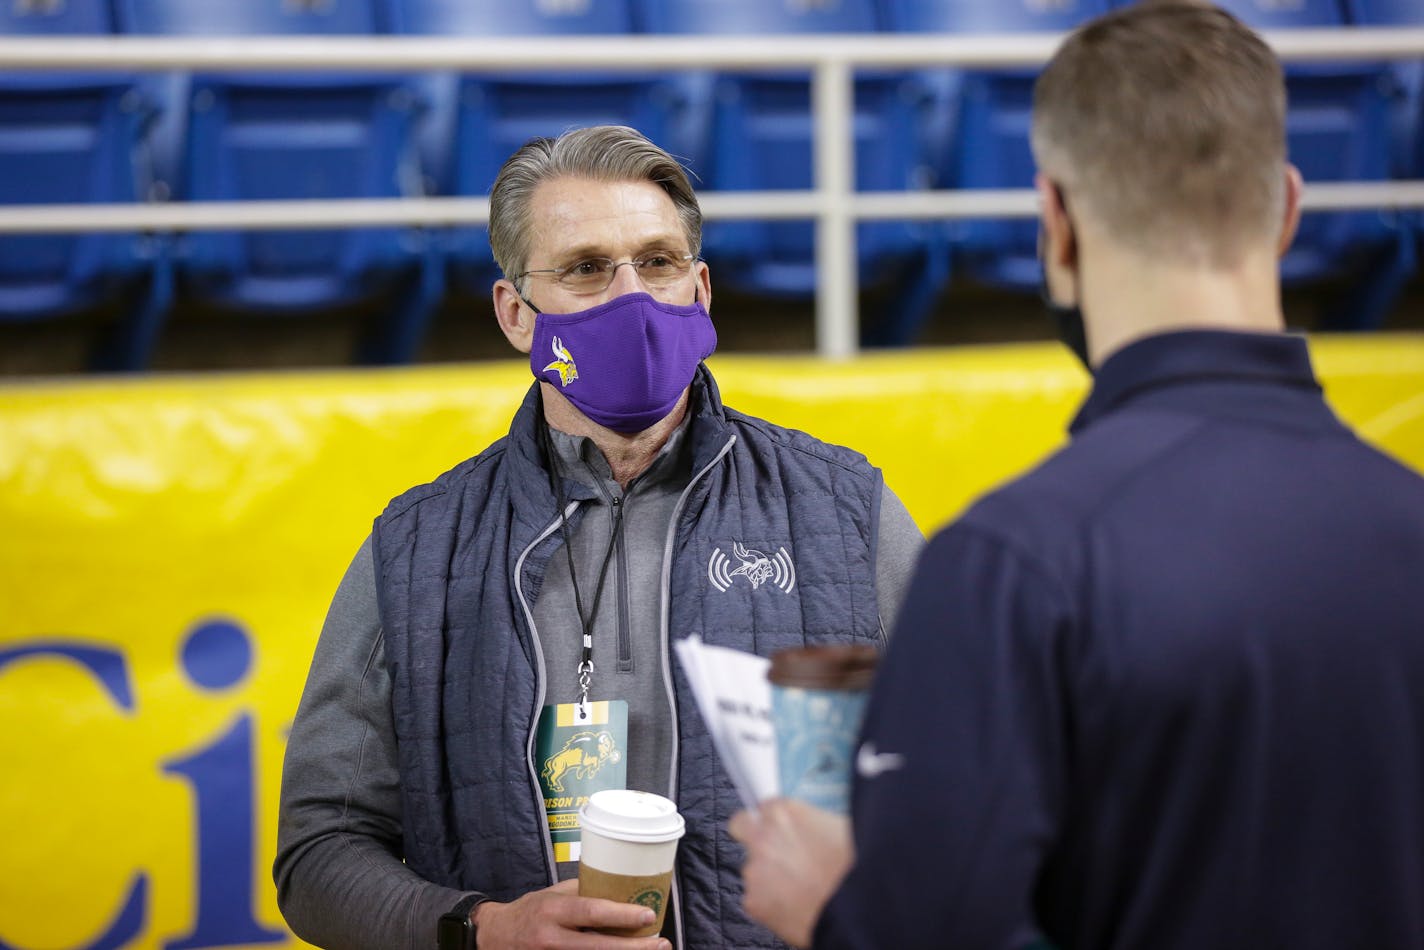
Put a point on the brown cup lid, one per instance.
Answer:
(835, 666)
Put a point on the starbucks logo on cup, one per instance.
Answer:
(652, 898)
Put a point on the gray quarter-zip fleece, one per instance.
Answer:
(627, 625)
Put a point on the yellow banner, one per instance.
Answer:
(168, 548)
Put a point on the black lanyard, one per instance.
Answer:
(585, 667)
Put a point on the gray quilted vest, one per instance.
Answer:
(457, 561)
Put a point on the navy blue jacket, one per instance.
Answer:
(1164, 691)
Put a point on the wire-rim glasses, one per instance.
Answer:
(592, 275)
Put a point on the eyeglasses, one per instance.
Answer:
(592, 275)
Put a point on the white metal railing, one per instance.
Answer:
(832, 60)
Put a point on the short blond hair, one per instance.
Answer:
(1165, 121)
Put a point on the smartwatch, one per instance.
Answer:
(456, 931)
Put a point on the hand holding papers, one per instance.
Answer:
(734, 699)
(792, 732)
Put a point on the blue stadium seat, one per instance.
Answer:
(74, 139)
(511, 17)
(253, 17)
(759, 136)
(758, 17)
(1339, 128)
(491, 19)
(1385, 12)
(979, 130)
(223, 18)
(1408, 75)
(989, 16)
(1276, 15)
(319, 135)
(498, 18)
(476, 121)
(56, 18)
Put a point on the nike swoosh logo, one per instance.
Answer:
(872, 764)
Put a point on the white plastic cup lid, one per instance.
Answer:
(627, 815)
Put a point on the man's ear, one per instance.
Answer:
(1060, 247)
(704, 284)
(1291, 221)
(515, 317)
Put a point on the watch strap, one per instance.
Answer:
(456, 930)
(467, 903)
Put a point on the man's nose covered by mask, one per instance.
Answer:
(623, 363)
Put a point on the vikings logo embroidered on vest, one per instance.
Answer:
(753, 565)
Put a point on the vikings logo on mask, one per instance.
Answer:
(564, 363)
(640, 355)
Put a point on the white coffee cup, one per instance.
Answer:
(629, 844)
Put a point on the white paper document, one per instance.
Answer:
(734, 699)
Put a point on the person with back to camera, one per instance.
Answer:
(546, 577)
(1163, 690)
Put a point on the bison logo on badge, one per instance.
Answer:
(583, 755)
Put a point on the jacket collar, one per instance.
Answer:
(710, 428)
(1190, 356)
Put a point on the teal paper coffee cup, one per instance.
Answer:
(818, 697)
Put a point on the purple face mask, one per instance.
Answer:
(623, 363)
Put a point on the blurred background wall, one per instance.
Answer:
(193, 440)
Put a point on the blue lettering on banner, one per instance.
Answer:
(109, 668)
(216, 655)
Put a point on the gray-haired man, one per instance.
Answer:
(551, 572)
